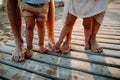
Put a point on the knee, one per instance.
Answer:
(30, 26)
(87, 22)
(70, 20)
(69, 23)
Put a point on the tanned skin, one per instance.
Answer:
(14, 15)
(91, 27)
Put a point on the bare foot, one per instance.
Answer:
(51, 44)
(18, 55)
(56, 48)
(65, 47)
(95, 47)
(87, 45)
(43, 49)
(28, 53)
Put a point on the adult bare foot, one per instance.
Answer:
(28, 53)
(43, 49)
(95, 47)
(87, 45)
(18, 55)
(65, 47)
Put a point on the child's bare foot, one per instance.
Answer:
(95, 47)
(43, 49)
(87, 45)
(51, 44)
(28, 53)
(18, 55)
(56, 48)
(65, 47)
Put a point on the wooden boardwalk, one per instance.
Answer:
(79, 64)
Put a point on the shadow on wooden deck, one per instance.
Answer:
(78, 65)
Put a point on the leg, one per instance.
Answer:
(50, 24)
(30, 23)
(66, 45)
(87, 31)
(93, 42)
(41, 36)
(70, 20)
(14, 16)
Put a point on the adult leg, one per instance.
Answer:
(68, 26)
(14, 16)
(50, 24)
(41, 36)
(87, 23)
(30, 24)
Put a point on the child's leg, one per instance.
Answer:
(41, 36)
(66, 45)
(68, 26)
(30, 23)
(50, 24)
(93, 42)
(87, 31)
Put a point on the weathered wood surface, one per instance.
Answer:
(79, 64)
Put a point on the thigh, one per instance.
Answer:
(42, 14)
(87, 20)
(70, 19)
(99, 17)
(30, 21)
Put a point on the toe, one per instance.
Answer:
(18, 58)
(65, 51)
(51, 45)
(15, 58)
(44, 51)
(95, 50)
(28, 54)
(56, 50)
(100, 50)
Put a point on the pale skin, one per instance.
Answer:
(91, 27)
(14, 15)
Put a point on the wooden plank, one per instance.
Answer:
(80, 49)
(79, 64)
(65, 55)
(98, 54)
(81, 43)
(43, 67)
(16, 74)
(78, 54)
(32, 66)
(107, 27)
(81, 38)
(115, 36)
(99, 35)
